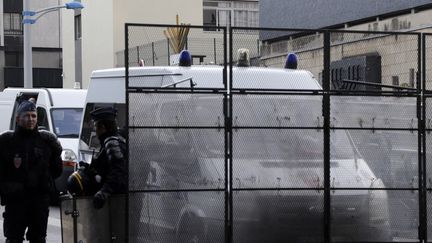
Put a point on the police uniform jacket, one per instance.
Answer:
(29, 162)
(109, 165)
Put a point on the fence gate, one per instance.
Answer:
(240, 159)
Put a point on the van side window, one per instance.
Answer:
(42, 119)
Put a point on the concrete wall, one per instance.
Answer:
(97, 36)
(398, 55)
(46, 31)
(316, 14)
(103, 29)
(2, 64)
(1, 24)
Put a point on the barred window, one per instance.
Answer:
(236, 12)
(12, 24)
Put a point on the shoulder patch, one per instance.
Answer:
(112, 145)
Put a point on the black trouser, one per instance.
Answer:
(31, 214)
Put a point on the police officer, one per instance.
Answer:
(109, 164)
(29, 162)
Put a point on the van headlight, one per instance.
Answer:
(68, 155)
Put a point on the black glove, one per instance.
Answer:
(99, 199)
(83, 165)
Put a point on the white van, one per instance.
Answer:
(59, 111)
(162, 157)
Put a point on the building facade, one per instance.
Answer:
(46, 45)
(97, 32)
(397, 63)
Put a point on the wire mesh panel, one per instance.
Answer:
(182, 216)
(374, 58)
(176, 137)
(427, 60)
(176, 159)
(159, 45)
(390, 156)
(277, 148)
(374, 216)
(257, 150)
(427, 75)
(176, 110)
(264, 158)
(429, 213)
(308, 46)
(374, 112)
(277, 111)
(278, 216)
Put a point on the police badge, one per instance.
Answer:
(17, 161)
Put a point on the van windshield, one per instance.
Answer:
(66, 122)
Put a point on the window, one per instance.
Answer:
(66, 122)
(12, 24)
(42, 119)
(78, 31)
(358, 72)
(88, 135)
(411, 77)
(13, 59)
(395, 81)
(236, 12)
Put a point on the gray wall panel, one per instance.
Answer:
(316, 14)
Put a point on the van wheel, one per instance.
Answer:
(191, 230)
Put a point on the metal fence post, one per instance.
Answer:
(326, 115)
(138, 54)
(153, 53)
(127, 125)
(168, 55)
(214, 50)
(229, 174)
(421, 109)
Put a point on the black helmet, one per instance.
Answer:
(78, 183)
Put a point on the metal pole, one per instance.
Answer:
(153, 53)
(27, 48)
(127, 124)
(326, 115)
(169, 59)
(214, 50)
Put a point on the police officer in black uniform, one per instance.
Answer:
(30, 160)
(109, 165)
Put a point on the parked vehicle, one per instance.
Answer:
(162, 157)
(59, 111)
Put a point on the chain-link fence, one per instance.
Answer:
(240, 163)
(426, 77)
(219, 152)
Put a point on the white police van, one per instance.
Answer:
(164, 158)
(59, 111)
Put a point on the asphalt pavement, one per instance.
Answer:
(54, 226)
